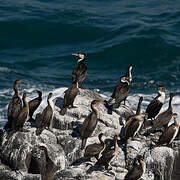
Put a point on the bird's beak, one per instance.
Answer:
(75, 54)
(99, 102)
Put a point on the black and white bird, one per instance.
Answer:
(134, 122)
(80, 71)
(156, 104)
(136, 172)
(170, 133)
(109, 155)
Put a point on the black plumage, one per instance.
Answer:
(14, 106)
(170, 133)
(46, 116)
(89, 123)
(136, 172)
(80, 71)
(156, 104)
(18, 123)
(34, 104)
(134, 122)
(109, 155)
(69, 97)
(94, 150)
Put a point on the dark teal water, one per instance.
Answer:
(37, 39)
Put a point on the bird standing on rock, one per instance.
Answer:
(108, 156)
(156, 104)
(163, 119)
(14, 106)
(94, 150)
(69, 97)
(137, 170)
(46, 116)
(134, 122)
(80, 71)
(34, 104)
(170, 133)
(18, 123)
(122, 89)
(89, 123)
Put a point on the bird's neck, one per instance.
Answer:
(161, 98)
(25, 103)
(170, 103)
(81, 61)
(50, 103)
(143, 165)
(138, 111)
(130, 75)
(16, 90)
(94, 109)
(116, 146)
(176, 122)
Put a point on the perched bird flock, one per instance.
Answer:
(19, 110)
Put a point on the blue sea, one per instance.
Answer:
(38, 37)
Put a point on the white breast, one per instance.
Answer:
(162, 97)
(175, 134)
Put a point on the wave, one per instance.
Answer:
(132, 99)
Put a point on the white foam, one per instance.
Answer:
(4, 69)
(31, 94)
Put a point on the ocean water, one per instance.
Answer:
(37, 38)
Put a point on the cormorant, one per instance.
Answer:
(18, 123)
(69, 97)
(164, 118)
(134, 122)
(89, 123)
(108, 156)
(170, 133)
(94, 150)
(46, 116)
(34, 104)
(155, 105)
(137, 170)
(122, 89)
(14, 106)
(80, 71)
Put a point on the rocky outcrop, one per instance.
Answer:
(56, 153)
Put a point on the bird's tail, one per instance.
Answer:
(63, 111)
(83, 144)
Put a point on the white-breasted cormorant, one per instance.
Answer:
(137, 170)
(134, 122)
(80, 71)
(109, 155)
(170, 133)
(121, 90)
(94, 150)
(163, 118)
(155, 105)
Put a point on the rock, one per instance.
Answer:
(56, 153)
